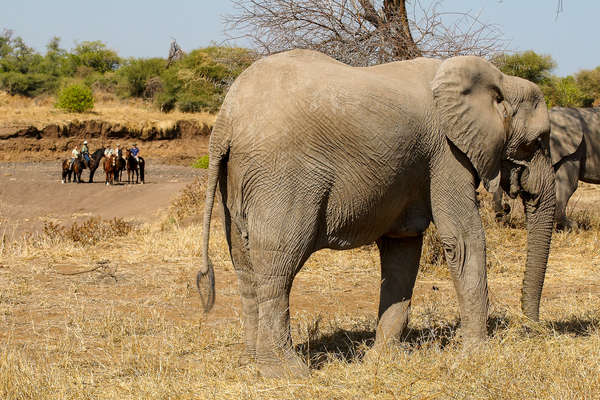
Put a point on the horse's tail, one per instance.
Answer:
(218, 154)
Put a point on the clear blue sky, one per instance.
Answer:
(137, 28)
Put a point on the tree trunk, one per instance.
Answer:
(405, 47)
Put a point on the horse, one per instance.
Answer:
(120, 165)
(110, 169)
(134, 166)
(131, 165)
(73, 169)
(66, 170)
(94, 162)
(77, 167)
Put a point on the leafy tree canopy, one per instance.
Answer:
(528, 65)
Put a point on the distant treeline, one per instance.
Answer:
(199, 80)
(579, 90)
(196, 82)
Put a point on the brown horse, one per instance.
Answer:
(72, 169)
(66, 170)
(110, 168)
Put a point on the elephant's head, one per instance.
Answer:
(501, 124)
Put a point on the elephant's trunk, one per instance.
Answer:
(539, 201)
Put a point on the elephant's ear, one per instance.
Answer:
(566, 132)
(474, 116)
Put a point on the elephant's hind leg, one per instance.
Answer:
(399, 266)
(243, 268)
(274, 272)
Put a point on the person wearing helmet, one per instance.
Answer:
(85, 152)
(135, 151)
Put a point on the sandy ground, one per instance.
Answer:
(31, 193)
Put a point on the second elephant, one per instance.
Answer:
(575, 153)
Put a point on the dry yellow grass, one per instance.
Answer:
(18, 111)
(134, 329)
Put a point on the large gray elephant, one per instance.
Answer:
(575, 154)
(310, 153)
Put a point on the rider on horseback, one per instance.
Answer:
(135, 151)
(75, 155)
(85, 152)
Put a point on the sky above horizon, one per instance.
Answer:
(137, 28)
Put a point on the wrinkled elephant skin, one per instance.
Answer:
(309, 153)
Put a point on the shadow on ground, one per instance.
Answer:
(350, 345)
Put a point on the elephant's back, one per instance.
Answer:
(297, 95)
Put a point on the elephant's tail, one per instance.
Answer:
(205, 279)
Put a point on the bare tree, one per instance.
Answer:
(363, 32)
(175, 53)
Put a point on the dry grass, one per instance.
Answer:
(18, 111)
(135, 329)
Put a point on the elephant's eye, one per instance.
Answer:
(498, 95)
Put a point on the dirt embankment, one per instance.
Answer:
(179, 142)
(163, 130)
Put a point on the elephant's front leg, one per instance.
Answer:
(399, 266)
(567, 179)
(457, 219)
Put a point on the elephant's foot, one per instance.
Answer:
(566, 224)
(293, 367)
(502, 214)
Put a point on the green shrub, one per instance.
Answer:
(75, 98)
(95, 55)
(564, 92)
(202, 162)
(136, 73)
(31, 84)
(528, 65)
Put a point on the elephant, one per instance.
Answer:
(575, 154)
(309, 153)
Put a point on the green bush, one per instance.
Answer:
(564, 92)
(75, 98)
(31, 84)
(136, 73)
(527, 65)
(199, 81)
(202, 162)
(96, 56)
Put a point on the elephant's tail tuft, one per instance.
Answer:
(205, 282)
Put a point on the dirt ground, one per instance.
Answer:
(31, 193)
(121, 319)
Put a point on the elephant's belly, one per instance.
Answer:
(411, 223)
